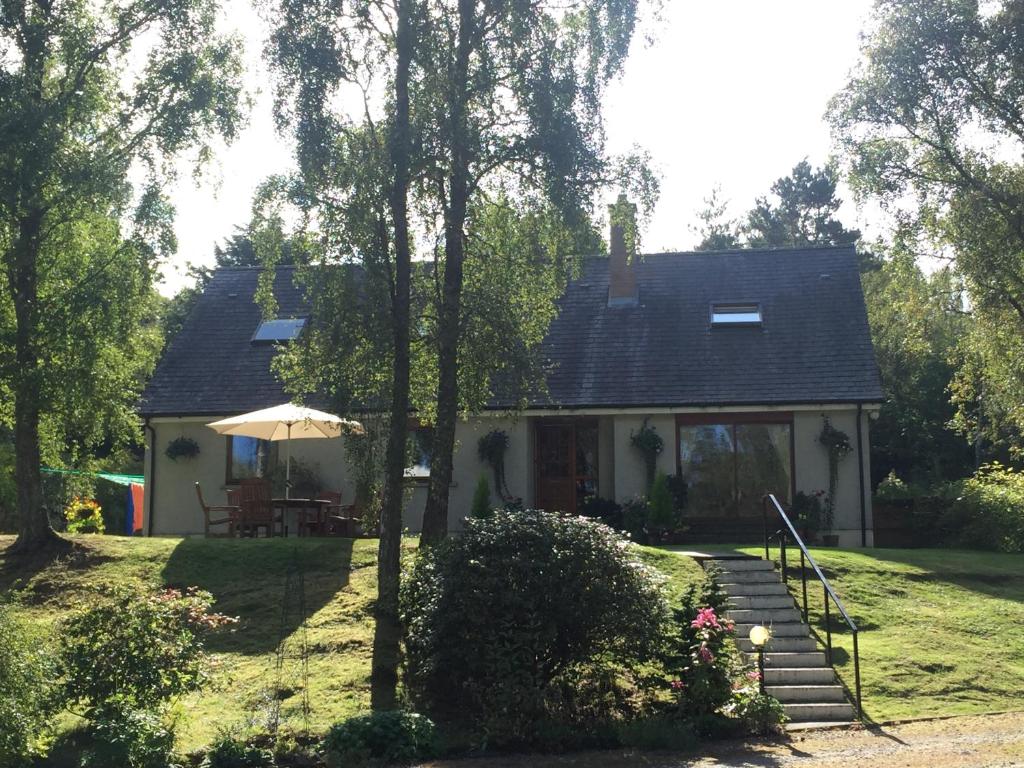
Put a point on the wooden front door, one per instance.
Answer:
(566, 464)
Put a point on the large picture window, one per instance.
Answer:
(247, 457)
(730, 461)
(419, 451)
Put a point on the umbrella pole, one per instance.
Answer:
(288, 464)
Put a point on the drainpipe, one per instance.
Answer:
(860, 477)
(152, 475)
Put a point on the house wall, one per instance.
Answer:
(178, 512)
(621, 470)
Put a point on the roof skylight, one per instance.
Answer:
(736, 314)
(281, 329)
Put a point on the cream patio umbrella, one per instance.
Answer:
(287, 422)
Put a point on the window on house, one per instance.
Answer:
(281, 329)
(419, 450)
(247, 457)
(730, 463)
(735, 314)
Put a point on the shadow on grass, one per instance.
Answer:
(18, 569)
(250, 577)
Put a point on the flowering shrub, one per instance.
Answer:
(701, 660)
(84, 516)
(137, 648)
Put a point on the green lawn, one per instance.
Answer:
(942, 631)
(248, 579)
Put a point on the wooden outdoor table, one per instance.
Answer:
(298, 506)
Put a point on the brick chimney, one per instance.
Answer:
(622, 290)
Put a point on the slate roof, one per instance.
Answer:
(813, 346)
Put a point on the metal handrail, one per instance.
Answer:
(828, 592)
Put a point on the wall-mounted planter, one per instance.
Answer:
(182, 448)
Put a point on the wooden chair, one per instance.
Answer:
(258, 508)
(231, 514)
(339, 519)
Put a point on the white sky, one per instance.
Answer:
(731, 92)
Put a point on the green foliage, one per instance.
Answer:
(84, 516)
(803, 212)
(893, 489)
(481, 506)
(807, 512)
(699, 657)
(491, 449)
(716, 231)
(27, 696)
(658, 732)
(608, 511)
(837, 445)
(926, 117)
(84, 101)
(649, 443)
(182, 448)
(990, 510)
(133, 738)
(380, 738)
(228, 751)
(498, 640)
(917, 327)
(760, 713)
(635, 514)
(661, 516)
(133, 650)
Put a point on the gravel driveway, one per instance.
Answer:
(984, 740)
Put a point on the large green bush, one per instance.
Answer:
(989, 514)
(126, 657)
(526, 621)
(26, 694)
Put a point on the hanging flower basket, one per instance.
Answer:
(182, 448)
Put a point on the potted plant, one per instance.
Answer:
(807, 513)
(182, 448)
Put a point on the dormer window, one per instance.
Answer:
(279, 330)
(732, 314)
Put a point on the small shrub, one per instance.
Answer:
(807, 512)
(27, 698)
(508, 622)
(634, 519)
(84, 516)
(229, 751)
(380, 738)
(891, 488)
(481, 506)
(680, 491)
(137, 650)
(990, 511)
(608, 511)
(661, 515)
(129, 739)
(760, 714)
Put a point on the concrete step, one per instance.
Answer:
(791, 659)
(749, 577)
(823, 712)
(779, 644)
(808, 694)
(799, 676)
(759, 602)
(734, 566)
(789, 629)
(765, 615)
(753, 590)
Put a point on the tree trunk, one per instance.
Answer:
(387, 629)
(435, 515)
(34, 530)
